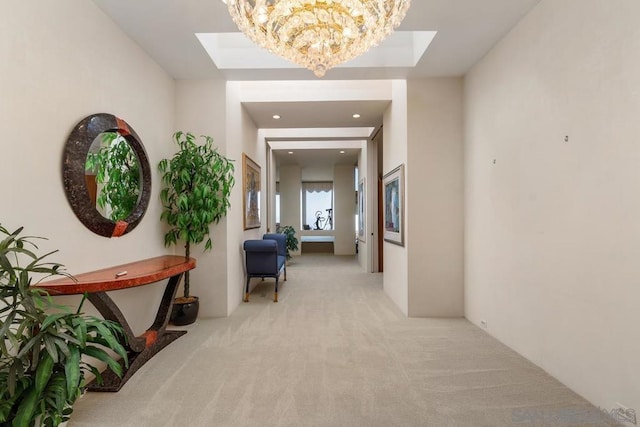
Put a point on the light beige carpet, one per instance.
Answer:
(335, 351)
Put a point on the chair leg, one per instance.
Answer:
(285, 272)
(275, 295)
(246, 292)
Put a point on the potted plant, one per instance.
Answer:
(292, 241)
(197, 183)
(42, 370)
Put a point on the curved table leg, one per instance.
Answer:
(140, 349)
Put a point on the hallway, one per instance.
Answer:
(335, 351)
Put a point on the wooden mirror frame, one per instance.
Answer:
(73, 174)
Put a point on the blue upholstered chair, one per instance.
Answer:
(266, 258)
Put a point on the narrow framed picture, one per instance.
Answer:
(393, 194)
(362, 210)
(251, 186)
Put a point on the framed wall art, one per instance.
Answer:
(393, 194)
(251, 186)
(362, 223)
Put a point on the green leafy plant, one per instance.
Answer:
(117, 172)
(42, 371)
(292, 241)
(197, 183)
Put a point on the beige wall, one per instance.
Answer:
(315, 173)
(363, 250)
(344, 210)
(242, 137)
(435, 152)
(552, 235)
(368, 169)
(374, 169)
(394, 153)
(290, 187)
(59, 62)
(200, 109)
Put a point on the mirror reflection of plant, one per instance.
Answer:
(42, 372)
(118, 172)
(197, 183)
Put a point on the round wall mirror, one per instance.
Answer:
(106, 173)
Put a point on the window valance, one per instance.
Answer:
(317, 187)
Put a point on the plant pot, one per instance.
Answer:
(185, 310)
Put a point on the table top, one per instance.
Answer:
(123, 276)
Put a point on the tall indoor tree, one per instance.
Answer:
(197, 183)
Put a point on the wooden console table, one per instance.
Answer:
(97, 283)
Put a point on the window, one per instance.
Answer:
(317, 197)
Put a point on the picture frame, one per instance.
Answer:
(251, 187)
(362, 210)
(393, 213)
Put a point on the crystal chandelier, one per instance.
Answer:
(317, 34)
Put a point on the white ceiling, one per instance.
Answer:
(317, 158)
(166, 30)
(332, 114)
(236, 51)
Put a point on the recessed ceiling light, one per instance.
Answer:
(275, 116)
(356, 116)
(290, 152)
(341, 151)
